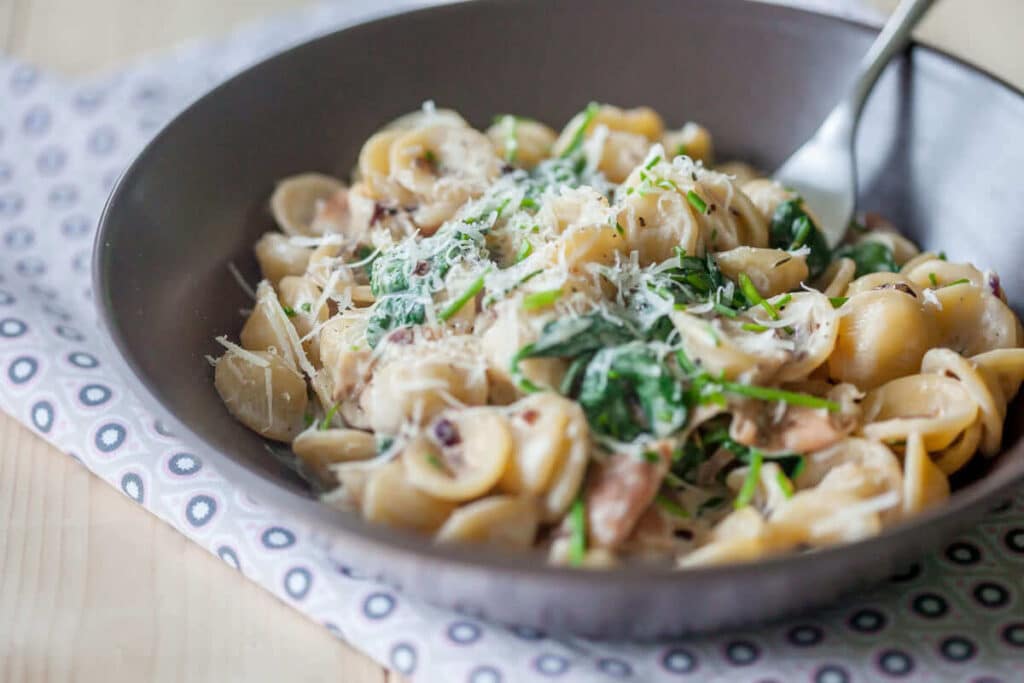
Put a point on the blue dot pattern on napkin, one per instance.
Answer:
(957, 615)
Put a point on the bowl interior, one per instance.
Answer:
(939, 152)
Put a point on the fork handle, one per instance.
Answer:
(893, 39)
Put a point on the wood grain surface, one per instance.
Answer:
(94, 588)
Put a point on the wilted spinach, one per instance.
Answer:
(628, 390)
(870, 257)
(792, 228)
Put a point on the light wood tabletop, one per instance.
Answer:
(69, 578)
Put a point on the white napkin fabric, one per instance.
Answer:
(957, 615)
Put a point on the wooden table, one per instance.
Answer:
(94, 588)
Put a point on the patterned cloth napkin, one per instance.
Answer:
(957, 615)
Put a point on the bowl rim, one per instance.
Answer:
(398, 545)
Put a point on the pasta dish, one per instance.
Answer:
(605, 346)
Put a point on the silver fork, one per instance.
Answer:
(823, 171)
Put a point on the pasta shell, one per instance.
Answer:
(389, 497)
(262, 392)
(296, 200)
(882, 281)
(318, 449)
(692, 140)
(683, 204)
(943, 273)
(278, 257)
(499, 521)
(641, 121)
(1006, 366)
(302, 298)
(523, 142)
(766, 194)
(972, 321)
(443, 167)
(924, 484)
(960, 452)
(934, 406)
(883, 334)
(772, 271)
(740, 537)
(268, 328)
(837, 277)
(467, 468)
(413, 384)
(991, 408)
(538, 423)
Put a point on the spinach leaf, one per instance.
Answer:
(628, 390)
(792, 228)
(570, 337)
(391, 312)
(870, 257)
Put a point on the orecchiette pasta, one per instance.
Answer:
(593, 345)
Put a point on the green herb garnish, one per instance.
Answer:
(934, 280)
(329, 417)
(749, 487)
(577, 137)
(838, 301)
(961, 281)
(755, 298)
(772, 394)
(456, 305)
(542, 299)
(791, 225)
(785, 484)
(870, 257)
(577, 532)
(696, 201)
(524, 250)
(289, 311)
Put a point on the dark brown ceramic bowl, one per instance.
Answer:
(940, 152)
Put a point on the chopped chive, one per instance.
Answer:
(430, 157)
(783, 300)
(530, 276)
(755, 298)
(772, 394)
(725, 310)
(838, 301)
(670, 506)
(525, 250)
(803, 231)
(577, 137)
(528, 203)
(788, 330)
(328, 417)
(435, 461)
(934, 280)
(679, 307)
(749, 487)
(651, 457)
(288, 311)
(681, 150)
(942, 256)
(619, 229)
(961, 281)
(653, 162)
(543, 299)
(454, 307)
(785, 484)
(578, 532)
(755, 327)
(696, 201)
(308, 419)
